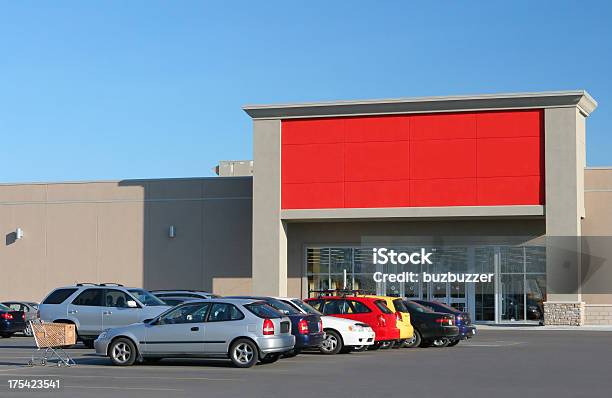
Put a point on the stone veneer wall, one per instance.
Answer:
(566, 314)
(598, 314)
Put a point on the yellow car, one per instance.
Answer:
(403, 318)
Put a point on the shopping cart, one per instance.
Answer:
(50, 339)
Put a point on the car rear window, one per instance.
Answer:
(417, 307)
(263, 310)
(383, 307)
(306, 307)
(282, 307)
(59, 296)
(4, 308)
(399, 305)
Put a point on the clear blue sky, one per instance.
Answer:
(139, 89)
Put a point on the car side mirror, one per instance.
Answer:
(132, 304)
(148, 321)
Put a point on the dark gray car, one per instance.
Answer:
(29, 309)
(243, 330)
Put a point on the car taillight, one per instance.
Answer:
(381, 320)
(320, 325)
(459, 319)
(23, 316)
(445, 321)
(268, 327)
(6, 315)
(398, 316)
(303, 326)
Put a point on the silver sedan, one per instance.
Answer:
(243, 330)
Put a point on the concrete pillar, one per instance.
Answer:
(269, 232)
(564, 162)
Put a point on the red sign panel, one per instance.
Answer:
(461, 159)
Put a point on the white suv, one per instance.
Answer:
(93, 308)
(341, 335)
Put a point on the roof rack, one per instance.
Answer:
(111, 284)
(338, 292)
(86, 284)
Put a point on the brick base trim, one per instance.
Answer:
(564, 313)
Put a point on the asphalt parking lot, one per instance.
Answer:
(495, 364)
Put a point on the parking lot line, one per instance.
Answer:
(66, 376)
(124, 388)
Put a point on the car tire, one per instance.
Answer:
(453, 343)
(28, 331)
(332, 344)
(397, 344)
(415, 341)
(270, 358)
(6, 335)
(440, 343)
(292, 353)
(122, 352)
(244, 353)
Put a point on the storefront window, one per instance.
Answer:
(515, 294)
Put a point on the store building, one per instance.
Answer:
(492, 184)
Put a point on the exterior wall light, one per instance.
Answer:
(172, 232)
(19, 233)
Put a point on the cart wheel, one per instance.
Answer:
(43, 362)
(59, 364)
(30, 363)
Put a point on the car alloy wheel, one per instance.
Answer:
(332, 344)
(28, 331)
(123, 352)
(244, 353)
(415, 341)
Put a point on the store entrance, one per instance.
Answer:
(515, 294)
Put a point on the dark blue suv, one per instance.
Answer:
(462, 319)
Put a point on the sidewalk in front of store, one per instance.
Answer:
(518, 326)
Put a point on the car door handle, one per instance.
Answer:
(108, 312)
(73, 311)
(195, 329)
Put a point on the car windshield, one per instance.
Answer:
(284, 308)
(4, 308)
(306, 307)
(146, 298)
(417, 307)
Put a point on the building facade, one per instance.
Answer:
(490, 184)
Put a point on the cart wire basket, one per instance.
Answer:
(51, 338)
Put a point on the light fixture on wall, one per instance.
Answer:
(19, 233)
(172, 232)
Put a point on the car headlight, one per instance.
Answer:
(103, 335)
(356, 328)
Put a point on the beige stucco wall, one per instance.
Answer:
(118, 232)
(597, 241)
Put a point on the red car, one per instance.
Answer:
(371, 311)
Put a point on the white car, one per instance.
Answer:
(341, 335)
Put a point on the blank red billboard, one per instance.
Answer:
(460, 159)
